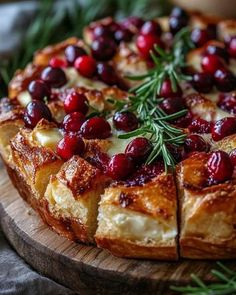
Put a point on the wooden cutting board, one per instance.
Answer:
(86, 269)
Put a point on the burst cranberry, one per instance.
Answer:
(138, 149)
(185, 121)
(86, 66)
(56, 62)
(123, 34)
(103, 49)
(120, 167)
(102, 31)
(151, 27)
(217, 50)
(178, 20)
(34, 112)
(199, 36)
(223, 128)
(232, 47)
(203, 82)
(125, 121)
(167, 90)
(69, 146)
(72, 122)
(225, 81)
(199, 125)
(132, 22)
(195, 143)
(107, 74)
(96, 127)
(228, 103)
(76, 102)
(211, 63)
(39, 90)
(145, 43)
(55, 77)
(232, 156)
(172, 105)
(220, 167)
(72, 52)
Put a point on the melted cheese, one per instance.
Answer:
(48, 137)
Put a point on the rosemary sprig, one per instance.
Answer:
(226, 284)
(154, 121)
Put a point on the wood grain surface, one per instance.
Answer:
(87, 269)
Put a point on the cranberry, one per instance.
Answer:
(177, 23)
(138, 149)
(199, 36)
(195, 143)
(76, 102)
(55, 77)
(203, 82)
(220, 167)
(228, 103)
(125, 121)
(167, 90)
(145, 43)
(56, 62)
(151, 27)
(39, 90)
(103, 49)
(102, 31)
(232, 156)
(107, 74)
(72, 52)
(171, 105)
(34, 112)
(217, 50)
(232, 47)
(72, 122)
(225, 81)
(120, 166)
(99, 160)
(132, 22)
(86, 66)
(178, 12)
(223, 128)
(69, 146)
(212, 31)
(199, 125)
(211, 63)
(123, 34)
(96, 127)
(185, 121)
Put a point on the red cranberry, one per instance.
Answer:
(167, 90)
(86, 66)
(228, 103)
(34, 112)
(103, 49)
(102, 31)
(123, 34)
(199, 125)
(232, 156)
(220, 167)
(177, 23)
(195, 143)
(179, 12)
(72, 122)
(172, 105)
(223, 128)
(138, 149)
(232, 47)
(72, 52)
(69, 146)
(145, 43)
(76, 102)
(56, 62)
(225, 81)
(120, 167)
(151, 27)
(125, 121)
(217, 50)
(203, 82)
(96, 127)
(107, 74)
(199, 36)
(99, 160)
(185, 121)
(212, 63)
(55, 77)
(132, 22)
(39, 90)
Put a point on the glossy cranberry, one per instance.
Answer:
(223, 128)
(220, 167)
(132, 22)
(145, 43)
(211, 63)
(39, 90)
(120, 167)
(217, 50)
(138, 149)
(195, 143)
(203, 82)
(69, 146)
(199, 125)
(185, 121)
(34, 112)
(103, 49)
(55, 77)
(102, 31)
(171, 105)
(167, 90)
(125, 121)
(96, 127)
(72, 52)
(232, 47)
(76, 102)
(178, 12)
(177, 23)
(199, 36)
(225, 81)
(86, 66)
(56, 62)
(228, 103)
(107, 74)
(151, 27)
(232, 156)
(123, 34)
(73, 121)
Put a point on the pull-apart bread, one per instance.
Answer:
(127, 139)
